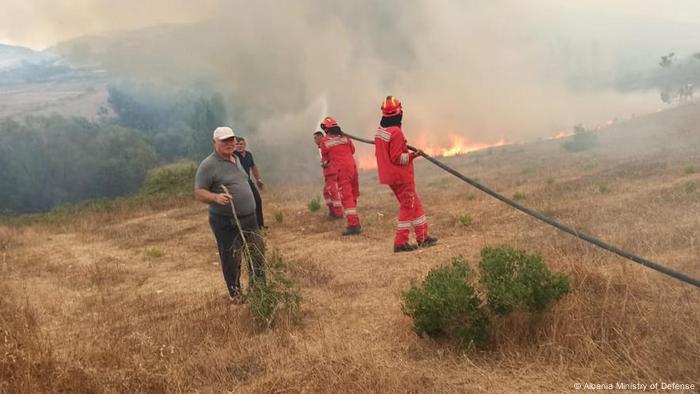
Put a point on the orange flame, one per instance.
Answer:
(562, 134)
(459, 146)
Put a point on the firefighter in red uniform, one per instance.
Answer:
(337, 151)
(395, 168)
(330, 184)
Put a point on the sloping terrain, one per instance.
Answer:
(132, 299)
(70, 98)
(43, 82)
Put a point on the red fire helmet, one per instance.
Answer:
(328, 122)
(391, 106)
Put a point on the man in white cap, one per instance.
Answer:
(222, 169)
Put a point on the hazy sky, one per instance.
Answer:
(41, 23)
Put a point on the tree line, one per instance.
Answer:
(47, 161)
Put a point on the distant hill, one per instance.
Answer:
(11, 56)
(153, 54)
(43, 82)
(20, 65)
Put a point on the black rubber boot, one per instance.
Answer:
(404, 248)
(352, 230)
(428, 242)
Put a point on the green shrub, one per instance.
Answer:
(516, 280)
(690, 170)
(518, 196)
(279, 216)
(466, 219)
(315, 204)
(603, 188)
(446, 304)
(691, 187)
(154, 253)
(173, 180)
(277, 297)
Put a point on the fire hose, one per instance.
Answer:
(537, 215)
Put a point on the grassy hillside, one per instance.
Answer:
(131, 298)
(43, 83)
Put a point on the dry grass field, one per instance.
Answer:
(69, 98)
(132, 299)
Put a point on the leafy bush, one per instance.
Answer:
(446, 304)
(279, 216)
(691, 187)
(315, 204)
(515, 280)
(154, 253)
(518, 196)
(174, 180)
(275, 298)
(466, 219)
(581, 141)
(690, 170)
(604, 188)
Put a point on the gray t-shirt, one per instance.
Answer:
(215, 171)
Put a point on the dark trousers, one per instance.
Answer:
(231, 248)
(258, 204)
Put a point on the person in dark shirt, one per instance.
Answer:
(248, 164)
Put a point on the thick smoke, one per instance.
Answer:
(484, 71)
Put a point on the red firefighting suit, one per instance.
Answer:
(330, 189)
(395, 168)
(338, 152)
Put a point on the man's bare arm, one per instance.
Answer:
(208, 197)
(256, 174)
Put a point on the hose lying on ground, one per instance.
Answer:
(647, 263)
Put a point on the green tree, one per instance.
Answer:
(207, 115)
(49, 161)
(124, 159)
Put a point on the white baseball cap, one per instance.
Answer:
(222, 133)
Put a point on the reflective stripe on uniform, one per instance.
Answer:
(383, 135)
(419, 221)
(404, 159)
(336, 141)
(403, 225)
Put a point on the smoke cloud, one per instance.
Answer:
(483, 72)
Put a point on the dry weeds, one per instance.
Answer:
(85, 309)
